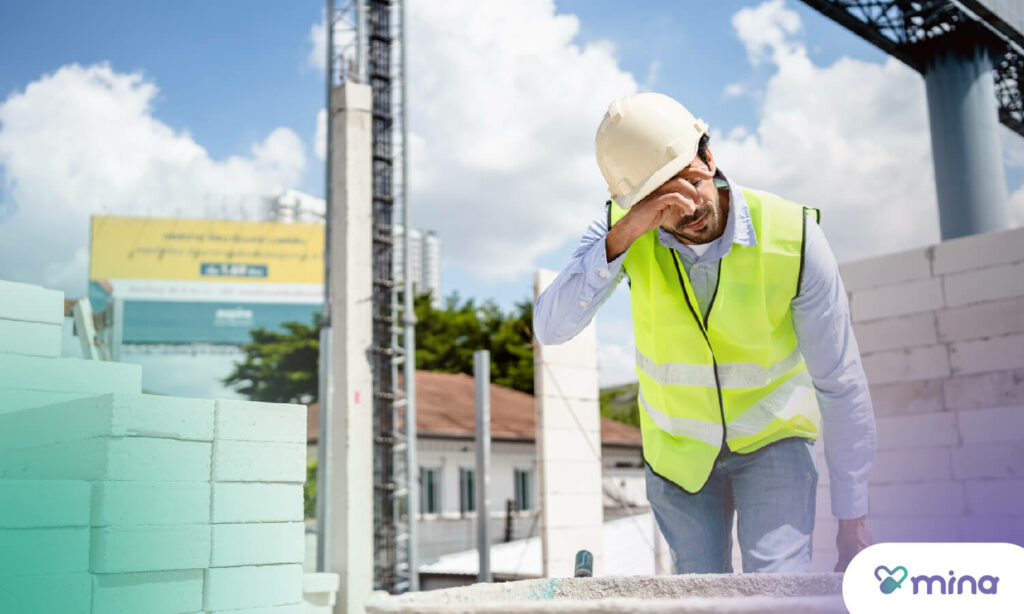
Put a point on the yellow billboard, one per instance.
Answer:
(205, 250)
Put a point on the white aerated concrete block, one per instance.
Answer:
(30, 338)
(991, 425)
(152, 548)
(28, 552)
(989, 460)
(574, 478)
(579, 352)
(254, 502)
(571, 510)
(981, 285)
(887, 270)
(996, 389)
(265, 543)
(905, 365)
(155, 592)
(56, 593)
(995, 497)
(916, 431)
(922, 499)
(150, 503)
(68, 375)
(18, 400)
(110, 415)
(914, 528)
(131, 458)
(293, 608)
(572, 445)
(250, 421)
(912, 465)
(566, 414)
(232, 588)
(890, 333)
(979, 251)
(30, 303)
(899, 398)
(247, 461)
(979, 356)
(43, 503)
(981, 320)
(896, 300)
(568, 382)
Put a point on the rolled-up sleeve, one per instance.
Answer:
(821, 318)
(582, 286)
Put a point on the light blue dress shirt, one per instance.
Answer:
(821, 318)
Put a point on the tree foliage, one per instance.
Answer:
(283, 366)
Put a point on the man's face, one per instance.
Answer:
(698, 218)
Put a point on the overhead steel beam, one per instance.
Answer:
(913, 30)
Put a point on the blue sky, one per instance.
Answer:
(178, 108)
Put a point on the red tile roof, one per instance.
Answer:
(445, 407)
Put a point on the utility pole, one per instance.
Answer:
(482, 378)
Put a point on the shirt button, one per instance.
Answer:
(583, 303)
(602, 273)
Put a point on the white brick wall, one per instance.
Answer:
(941, 332)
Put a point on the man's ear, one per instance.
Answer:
(711, 161)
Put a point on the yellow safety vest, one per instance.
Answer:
(736, 378)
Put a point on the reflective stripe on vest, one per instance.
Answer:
(735, 377)
(732, 375)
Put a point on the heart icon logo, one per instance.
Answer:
(889, 583)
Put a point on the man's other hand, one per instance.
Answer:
(852, 537)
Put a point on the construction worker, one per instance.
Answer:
(742, 332)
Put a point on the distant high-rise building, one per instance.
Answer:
(293, 206)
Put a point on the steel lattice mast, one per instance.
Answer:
(362, 36)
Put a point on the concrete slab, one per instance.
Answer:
(150, 503)
(131, 549)
(253, 502)
(63, 593)
(30, 338)
(228, 588)
(68, 375)
(250, 421)
(263, 543)
(43, 503)
(109, 458)
(108, 415)
(254, 461)
(161, 592)
(30, 303)
(692, 593)
(29, 552)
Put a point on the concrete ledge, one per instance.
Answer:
(782, 593)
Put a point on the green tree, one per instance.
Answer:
(283, 366)
(279, 367)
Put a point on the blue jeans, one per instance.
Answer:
(772, 491)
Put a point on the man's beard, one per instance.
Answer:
(703, 235)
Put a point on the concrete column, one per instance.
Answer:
(568, 448)
(969, 176)
(348, 526)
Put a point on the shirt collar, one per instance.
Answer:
(739, 228)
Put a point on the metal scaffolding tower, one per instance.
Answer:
(362, 40)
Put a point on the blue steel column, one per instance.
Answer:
(969, 176)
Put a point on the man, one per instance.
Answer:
(742, 332)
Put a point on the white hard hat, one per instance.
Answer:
(643, 141)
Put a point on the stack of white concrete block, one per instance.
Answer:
(941, 332)
(120, 501)
(568, 448)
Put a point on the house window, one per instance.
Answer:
(430, 490)
(467, 491)
(524, 492)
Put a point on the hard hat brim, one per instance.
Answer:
(663, 174)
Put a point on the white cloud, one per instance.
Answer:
(502, 128)
(616, 364)
(318, 46)
(765, 30)
(653, 69)
(734, 90)
(84, 141)
(851, 138)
